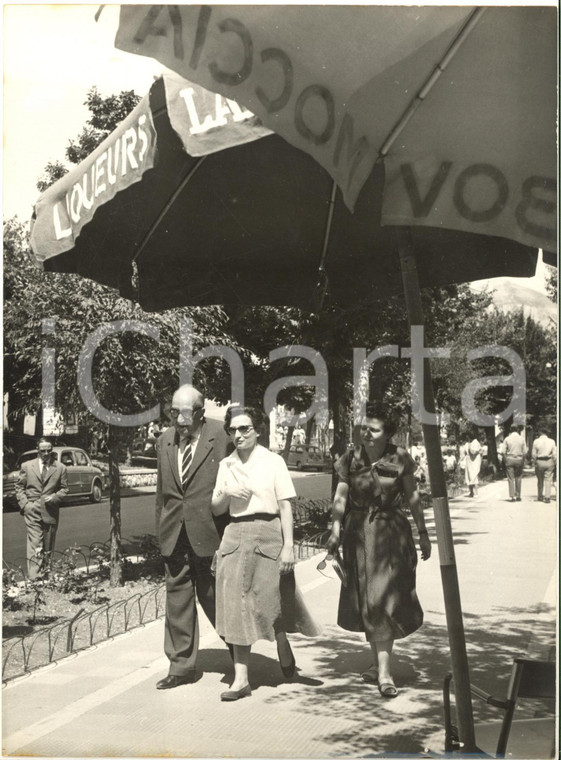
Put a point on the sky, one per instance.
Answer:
(52, 55)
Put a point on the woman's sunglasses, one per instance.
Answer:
(336, 564)
(323, 564)
(243, 429)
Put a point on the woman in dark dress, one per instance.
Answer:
(379, 553)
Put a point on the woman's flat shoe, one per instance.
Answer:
(388, 689)
(232, 696)
(370, 675)
(287, 670)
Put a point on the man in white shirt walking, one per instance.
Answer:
(514, 450)
(544, 456)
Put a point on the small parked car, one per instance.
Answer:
(84, 478)
(305, 457)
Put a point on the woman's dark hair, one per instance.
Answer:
(256, 416)
(378, 411)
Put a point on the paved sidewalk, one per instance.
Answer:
(103, 702)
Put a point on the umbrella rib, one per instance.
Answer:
(322, 283)
(440, 67)
(166, 208)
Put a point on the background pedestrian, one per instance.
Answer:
(472, 465)
(514, 450)
(544, 455)
(40, 488)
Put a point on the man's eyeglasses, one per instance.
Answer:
(174, 412)
(45, 451)
(243, 429)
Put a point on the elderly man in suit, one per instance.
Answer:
(40, 488)
(188, 456)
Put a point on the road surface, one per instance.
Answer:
(86, 523)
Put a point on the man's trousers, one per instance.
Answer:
(186, 573)
(41, 538)
(514, 470)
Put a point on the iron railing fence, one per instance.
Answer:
(22, 654)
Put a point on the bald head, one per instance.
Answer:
(188, 396)
(187, 409)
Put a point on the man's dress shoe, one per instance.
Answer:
(170, 682)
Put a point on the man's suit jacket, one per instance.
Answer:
(30, 487)
(176, 507)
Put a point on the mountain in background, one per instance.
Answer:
(509, 295)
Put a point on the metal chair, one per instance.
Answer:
(529, 679)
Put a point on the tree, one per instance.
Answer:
(105, 115)
(130, 371)
(533, 342)
(551, 283)
(335, 331)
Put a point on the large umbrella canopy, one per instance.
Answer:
(459, 102)
(460, 105)
(473, 176)
(246, 224)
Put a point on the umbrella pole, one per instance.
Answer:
(448, 571)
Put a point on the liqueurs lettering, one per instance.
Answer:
(125, 155)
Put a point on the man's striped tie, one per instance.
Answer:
(186, 463)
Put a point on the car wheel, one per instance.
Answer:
(96, 494)
(298, 465)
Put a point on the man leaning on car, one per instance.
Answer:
(40, 488)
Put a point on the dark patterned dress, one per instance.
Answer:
(379, 554)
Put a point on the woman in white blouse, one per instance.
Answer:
(257, 546)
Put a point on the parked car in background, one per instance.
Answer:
(84, 478)
(305, 457)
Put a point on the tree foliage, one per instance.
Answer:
(335, 331)
(534, 344)
(130, 372)
(105, 115)
(551, 283)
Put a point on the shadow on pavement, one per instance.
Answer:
(421, 662)
(263, 671)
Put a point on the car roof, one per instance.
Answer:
(55, 448)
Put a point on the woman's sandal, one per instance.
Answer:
(370, 675)
(388, 689)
